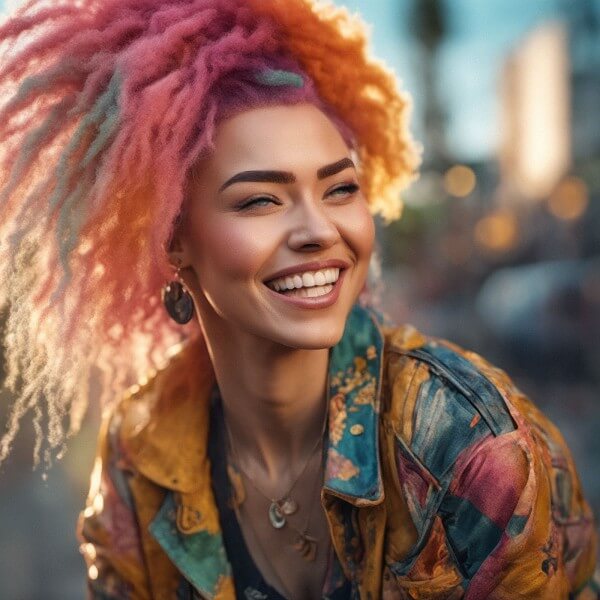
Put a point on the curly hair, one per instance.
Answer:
(105, 106)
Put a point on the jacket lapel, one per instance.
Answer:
(353, 492)
(199, 555)
(165, 435)
(352, 468)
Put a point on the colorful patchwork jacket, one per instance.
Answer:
(442, 480)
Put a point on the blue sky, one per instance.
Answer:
(481, 32)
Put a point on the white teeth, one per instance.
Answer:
(309, 279)
(320, 278)
(311, 292)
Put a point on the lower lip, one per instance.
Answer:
(316, 302)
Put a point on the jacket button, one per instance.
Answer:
(357, 429)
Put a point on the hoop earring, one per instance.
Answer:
(177, 300)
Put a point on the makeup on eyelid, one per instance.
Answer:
(350, 189)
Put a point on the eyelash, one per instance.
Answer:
(350, 189)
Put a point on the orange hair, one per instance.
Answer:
(332, 47)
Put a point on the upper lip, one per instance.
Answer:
(310, 266)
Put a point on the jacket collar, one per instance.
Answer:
(164, 435)
(352, 467)
(165, 423)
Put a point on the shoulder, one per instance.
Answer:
(133, 467)
(448, 402)
(434, 380)
(463, 420)
(160, 424)
(497, 471)
(156, 395)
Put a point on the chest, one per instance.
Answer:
(293, 559)
(286, 551)
(365, 539)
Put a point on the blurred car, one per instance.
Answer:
(547, 315)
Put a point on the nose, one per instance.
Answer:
(313, 228)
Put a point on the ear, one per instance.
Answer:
(177, 250)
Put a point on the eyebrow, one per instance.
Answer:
(285, 176)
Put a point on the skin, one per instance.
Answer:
(270, 358)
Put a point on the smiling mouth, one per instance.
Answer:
(310, 284)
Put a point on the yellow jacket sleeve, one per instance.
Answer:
(108, 528)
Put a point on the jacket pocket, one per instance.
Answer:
(429, 574)
(408, 495)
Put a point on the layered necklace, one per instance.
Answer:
(283, 507)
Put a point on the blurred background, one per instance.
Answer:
(498, 249)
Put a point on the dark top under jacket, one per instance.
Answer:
(249, 582)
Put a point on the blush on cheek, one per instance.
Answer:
(237, 251)
(367, 236)
(359, 230)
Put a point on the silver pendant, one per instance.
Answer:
(275, 516)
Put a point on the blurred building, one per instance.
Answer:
(535, 148)
(549, 95)
(583, 19)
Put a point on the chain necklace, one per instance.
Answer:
(285, 506)
(306, 544)
(262, 551)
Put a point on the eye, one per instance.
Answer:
(345, 190)
(257, 201)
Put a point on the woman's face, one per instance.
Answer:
(278, 192)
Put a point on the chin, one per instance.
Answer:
(311, 337)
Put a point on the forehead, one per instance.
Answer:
(290, 138)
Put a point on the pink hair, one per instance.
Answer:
(105, 108)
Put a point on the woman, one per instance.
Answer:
(294, 444)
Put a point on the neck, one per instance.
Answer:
(274, 401)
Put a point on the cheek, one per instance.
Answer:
(359, 231)
(230, 249)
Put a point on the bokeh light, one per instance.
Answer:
(569, 200)
(498, 231)
(459, 181)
